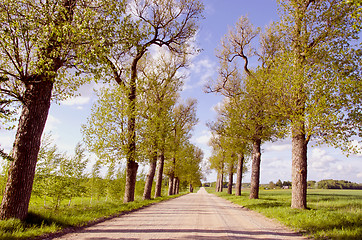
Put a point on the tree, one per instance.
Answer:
(96, 183)
(161, 83)
(188, 169)
(279, 184)
(217, 159)
(49, 159)
(150, 23)
(251, 94)
(318, 74)
(236, 138)
(105, 133)
(72, 170)
(184, 119)
(40, 42)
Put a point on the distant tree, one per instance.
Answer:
(271, 185)
(48, 164)
(184, 119)
(96, 185)
(288, 183)
(72, 170)
(311, 184)
(338, 184)
(116, 184)
(279, 184)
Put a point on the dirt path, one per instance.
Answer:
(193, 216)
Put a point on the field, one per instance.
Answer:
(43, 220)
(332, 214)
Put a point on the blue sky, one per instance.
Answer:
(65, 119)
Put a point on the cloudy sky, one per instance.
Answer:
(65, 119)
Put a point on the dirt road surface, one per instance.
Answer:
(199, 216)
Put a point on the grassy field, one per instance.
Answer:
(332, 214)
(81, 212)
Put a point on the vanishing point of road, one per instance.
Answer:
(198, 215)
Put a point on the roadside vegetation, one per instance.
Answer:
(83, 211)
(331, 214)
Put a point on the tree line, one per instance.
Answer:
(306, 87)
(337, 184)
(50, 48)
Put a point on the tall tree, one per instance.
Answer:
(250, 93)
(228, 126)
(184, 119)
(319, 76)
(105, 133)
(162, 81)
(149, 23)
(39, 42)
(217, 159)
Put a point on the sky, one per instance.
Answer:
(65, 119)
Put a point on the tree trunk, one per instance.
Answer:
(174, 191)
(132, 165)
(191, 189)
(131, 176)
(217, 187)
(239, 174)
(170, 185)
(299, 168)
(176, 186)
(255, 170)
(150, 176)
(219, 184)
(160, 163)
(21, 173)
(230, 184)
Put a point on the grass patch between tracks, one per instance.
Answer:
(332, 214)
(42, 221)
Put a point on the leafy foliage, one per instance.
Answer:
(338, 184)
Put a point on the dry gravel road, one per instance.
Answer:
(194, 216)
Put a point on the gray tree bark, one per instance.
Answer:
(255, 170)
(239, 174)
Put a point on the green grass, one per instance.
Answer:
(332, 214)
(43, 221)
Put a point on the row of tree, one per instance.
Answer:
(307, 87)
(49, 48)
(337, 184)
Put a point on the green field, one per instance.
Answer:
(44, 220)
(332, 214)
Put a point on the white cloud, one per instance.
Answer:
(80, 100)
(51, 124)
(278, 147)
(204, 138)
(320, 161)
(7, 140)
(203, 70)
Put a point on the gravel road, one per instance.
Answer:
(194, 216)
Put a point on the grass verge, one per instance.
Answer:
(332, 214)
(42, 221)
